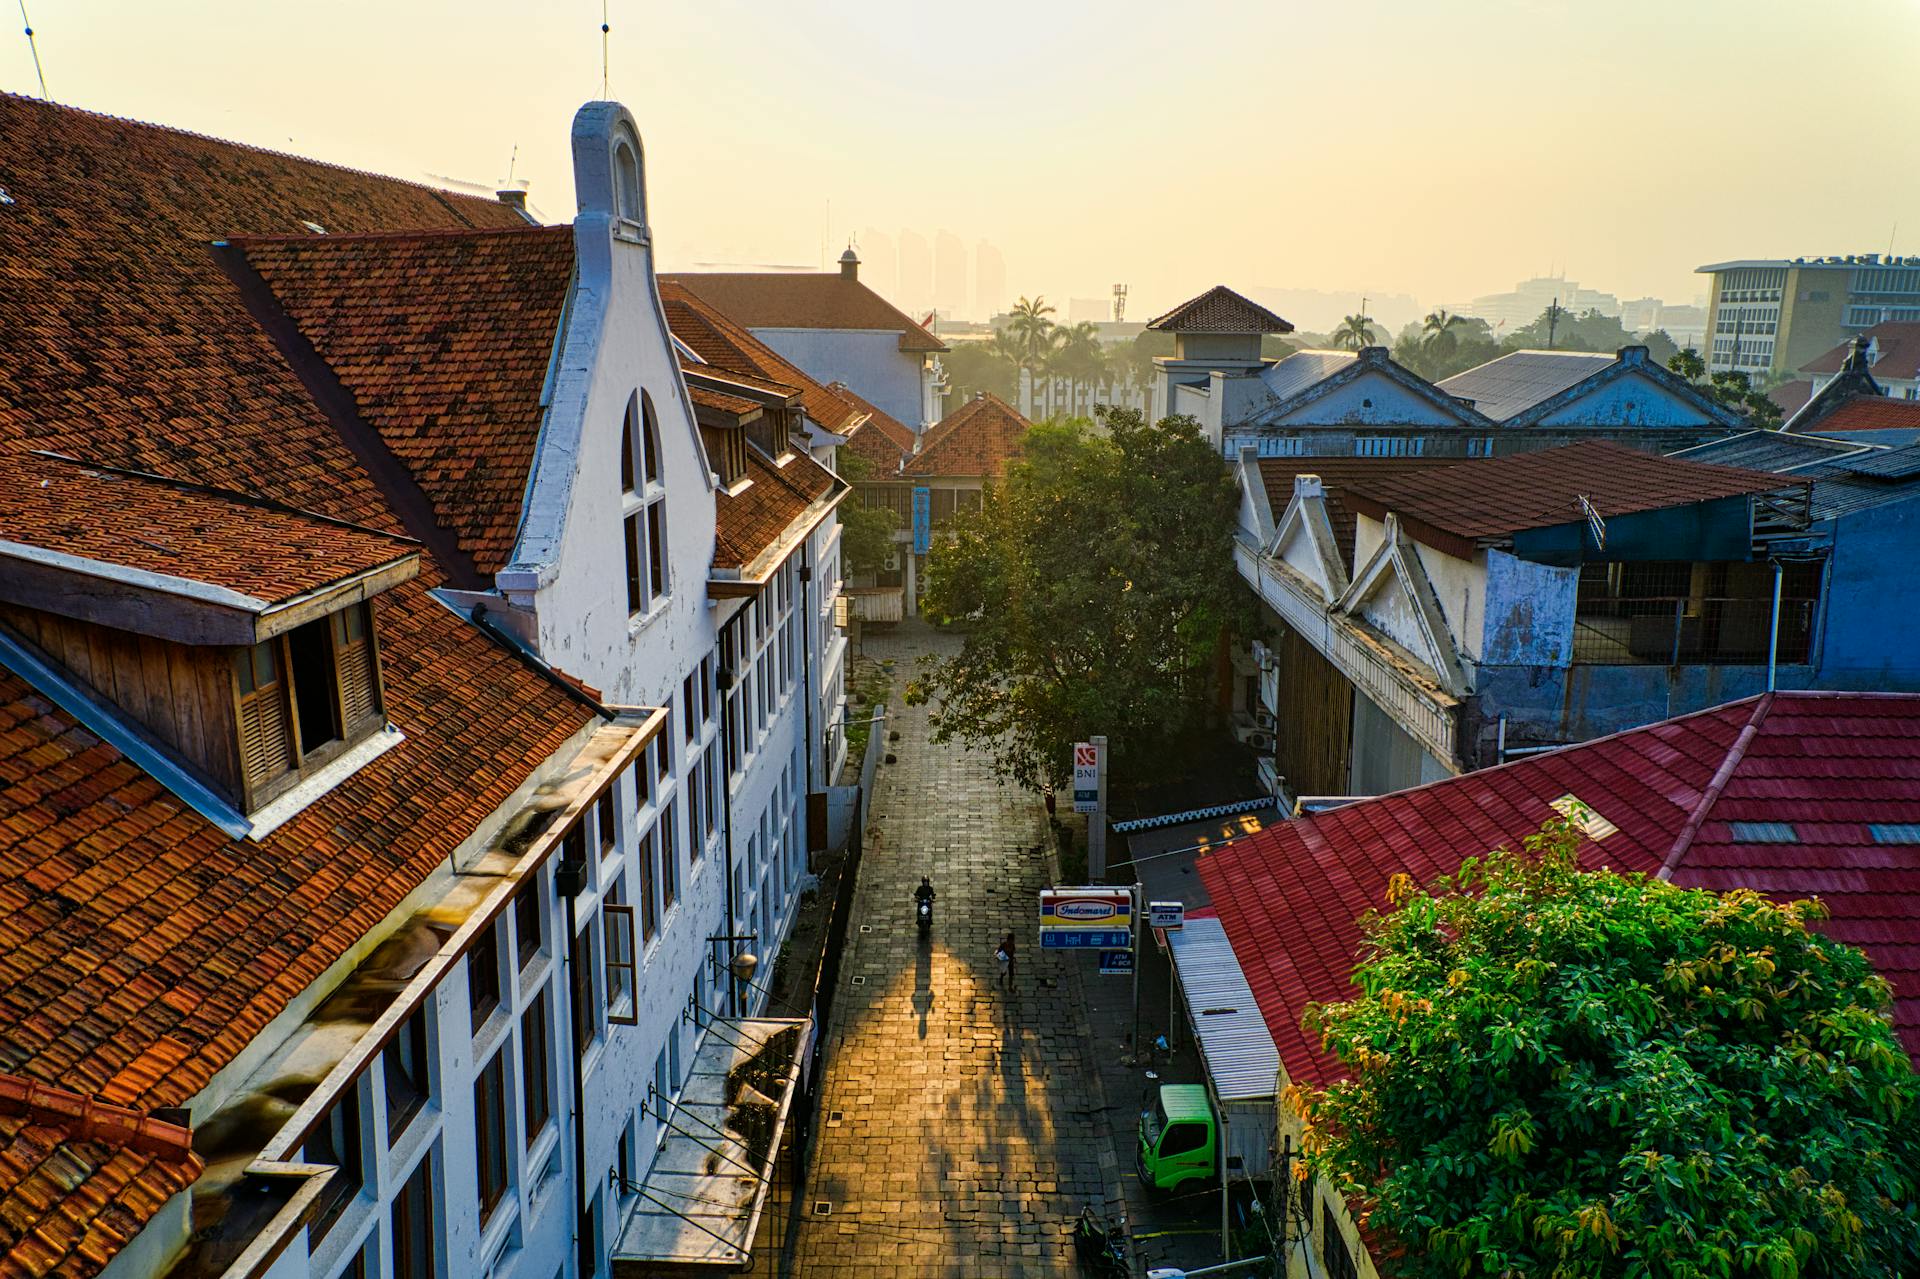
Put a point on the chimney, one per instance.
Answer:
(850, 264)
(515, 200)
(1308, 486)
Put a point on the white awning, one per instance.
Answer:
(1241, 1059)
(701, 1200)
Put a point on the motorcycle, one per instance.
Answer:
(923, 910)
(1100, 1246)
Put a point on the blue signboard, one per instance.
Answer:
(1116, 963)
(1077, 939)
(922, 521)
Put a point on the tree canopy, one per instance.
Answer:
(1095, 583)
(1734, 390)
(866, 532)
(1587, 1073)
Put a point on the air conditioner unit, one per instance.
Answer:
(1263, 718)
(893, 561)
(1262, 743)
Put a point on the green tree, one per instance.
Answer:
(1032, 331)
(866, 532)
(1587, 1073)
(1078, 356)
(1354, 332)
(1733, 390)
(1096, 583)
(1440, 334)
(972, 367)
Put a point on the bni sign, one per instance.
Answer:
(1086, 777)
(922, 520)
(1086, 918)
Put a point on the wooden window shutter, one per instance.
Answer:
(354, 661)
(266, 735)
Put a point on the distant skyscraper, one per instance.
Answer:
(949, 274)
(916, 275)
(989, 281)
(879, 268)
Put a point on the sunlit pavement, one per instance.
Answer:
(960, 1129)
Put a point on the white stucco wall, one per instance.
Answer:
(868, 360)
(1630, 400)
(1369, 398)
(1461, 587)
(1529, 612)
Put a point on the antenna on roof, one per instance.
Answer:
(605, 39)
(28, 23)
(513, 159)
(1594, 522)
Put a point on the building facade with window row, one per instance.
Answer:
(443, 732)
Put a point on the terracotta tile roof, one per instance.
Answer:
(244, 544)
(804, 300)
(78, 1179)
(978, 438)
(721, 402)
(879, 437)
(722, 342)
(1337, 473)
(142, 948)
(124, 343)
(1830, 765)
(1791, 397)
(897, 432)
(754, 521)
(1220, 310)
(1870, 413)
(1897, 354)
(1495, 497)
(444, 340)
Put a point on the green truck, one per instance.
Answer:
(1179, 1137)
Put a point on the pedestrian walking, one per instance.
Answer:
(1005, 955)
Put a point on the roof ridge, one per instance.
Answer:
(396, 237)
(178, 132)
(1711, 796)
(94, 1120)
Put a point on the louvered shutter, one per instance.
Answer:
(353, 660)
(266, 744)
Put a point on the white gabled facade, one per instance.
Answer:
(697, 834)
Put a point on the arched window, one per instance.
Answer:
(643, 506)
(626, 181)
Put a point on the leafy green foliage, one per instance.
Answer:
(1096, 583)
(1731, 389)
(1568, 1073)
(866, 532)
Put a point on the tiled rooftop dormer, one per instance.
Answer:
(227, 640)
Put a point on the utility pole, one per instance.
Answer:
(1097, 819)
(1553, 320)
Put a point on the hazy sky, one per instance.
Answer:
(1438, 149)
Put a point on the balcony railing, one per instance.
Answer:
(1690, 631)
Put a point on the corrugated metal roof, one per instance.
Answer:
(1302, 369)
(1892, 464)
(1515, 383)
(1241, 1056)
(1771, 451)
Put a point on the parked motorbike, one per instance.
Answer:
(1100, 1247)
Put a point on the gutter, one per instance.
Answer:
(535, 663)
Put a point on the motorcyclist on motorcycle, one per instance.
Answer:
(923, 903)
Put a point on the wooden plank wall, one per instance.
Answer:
(181, 693)
(1313, 722)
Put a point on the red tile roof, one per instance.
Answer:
(1791, 397)
(1337, 474)
(803, 300)
(780, 503)
(1830, 764)
(1495, 497)
(143, 522)
(124, 343)
(897, 432)
(1220, 310)
(1869, 413)
(979, 438)
(1898, 352)
(726, 345)
(444, 340)
(140, 949)
(878, 437)
(79, 1178)
(720, 402)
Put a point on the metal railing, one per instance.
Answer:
(1689, 631)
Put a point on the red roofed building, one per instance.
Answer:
(1893, 357)
(371, 574)
(1426, 617)
(1792, 794)
(834, 327)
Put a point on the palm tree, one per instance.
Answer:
(1032, 330)
(1355, 331)
(1440, 340)
(1078, 357)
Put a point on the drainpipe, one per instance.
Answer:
(724, 678)
(1773, 633)
(570, 879)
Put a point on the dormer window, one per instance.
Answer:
(303, 697)
(643, 507)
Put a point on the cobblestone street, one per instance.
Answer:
(961, 1129)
